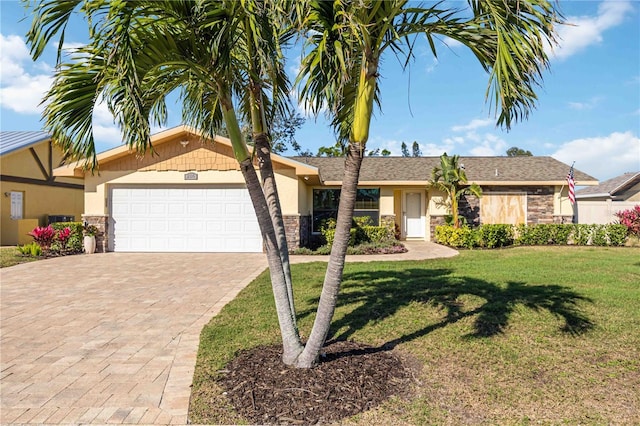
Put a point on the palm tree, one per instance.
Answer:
(451, 179)
(218, 54)
(345, 41)
(224, 53)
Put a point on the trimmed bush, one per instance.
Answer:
(456, 237)
(581, 235)
(617, 234)
(501, 235)
(361, 232)
(492, 236)
(74, 242)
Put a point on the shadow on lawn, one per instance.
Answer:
(380, 294)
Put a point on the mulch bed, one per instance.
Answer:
(351, 378)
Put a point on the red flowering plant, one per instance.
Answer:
(63, 236)
(43, 236)
(631, 219)
(51, 240)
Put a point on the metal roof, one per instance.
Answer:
(14, 141)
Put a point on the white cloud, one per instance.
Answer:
(603, 157)
(21, 91)
(476, 123)
(584, 31)
(581, 106)
(488, 145)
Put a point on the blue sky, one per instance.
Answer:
(588, 109)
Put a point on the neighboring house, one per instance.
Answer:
(31, 194)
(598, 204)
(190, 195)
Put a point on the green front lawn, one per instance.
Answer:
(504, 337)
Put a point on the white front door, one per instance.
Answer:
(414, 222)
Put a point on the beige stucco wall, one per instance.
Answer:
(386, 201)
(39, 201)
(435, 208)
(97, 186)
(561, 204)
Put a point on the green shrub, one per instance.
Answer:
(495, 235)
(560, 233)
(378, 234)
(599, 236)
(581, 234)
(617, 234)
(456, 237)
(443, 234)
(34, 250)
(361, 232)
(74, 243)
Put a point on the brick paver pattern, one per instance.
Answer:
(112, 338)
(109, 338)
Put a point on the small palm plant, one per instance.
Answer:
(451, 179)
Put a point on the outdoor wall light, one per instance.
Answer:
(184, 143)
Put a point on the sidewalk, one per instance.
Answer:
(416, 250)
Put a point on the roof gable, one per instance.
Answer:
(611, 187)
(180, 148)
(16, 140)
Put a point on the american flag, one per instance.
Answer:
(572, 186)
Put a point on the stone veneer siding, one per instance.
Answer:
(102, 223)
(298, 230)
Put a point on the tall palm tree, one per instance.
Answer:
(451, 179)
(345, 41)
(218, 54)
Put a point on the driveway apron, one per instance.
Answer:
(110, 338)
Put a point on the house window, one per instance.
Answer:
(17, 202)
(325, 205)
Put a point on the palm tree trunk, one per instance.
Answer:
(291, 344)
(333, 277)
(270, 189)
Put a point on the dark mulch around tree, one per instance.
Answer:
(351, 378)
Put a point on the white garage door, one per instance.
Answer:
(183, 220)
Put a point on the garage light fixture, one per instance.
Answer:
(184, 143)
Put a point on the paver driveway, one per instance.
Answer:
(109, 338)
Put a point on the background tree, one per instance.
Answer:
(451, 179)
(415, 149)
(339, 71)
(336, 150)
(514, 151)
(404, 150)
(377, 153)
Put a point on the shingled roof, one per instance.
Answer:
(611, 187)
(482, 170)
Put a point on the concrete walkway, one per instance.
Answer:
(112, 338)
